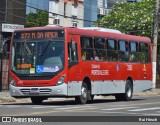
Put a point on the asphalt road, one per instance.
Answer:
(108, 108)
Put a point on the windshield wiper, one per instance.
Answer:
(41, 54)
(27, 48)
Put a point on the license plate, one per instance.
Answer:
(34, 91)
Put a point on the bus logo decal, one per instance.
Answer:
(97, 71)
(117, 67)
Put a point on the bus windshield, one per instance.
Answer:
(37, 56)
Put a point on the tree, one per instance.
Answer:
(40, 18)
(131, 18)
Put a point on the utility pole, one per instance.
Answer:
(155, 39)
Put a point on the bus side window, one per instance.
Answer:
(144, 54)
(99, 49)
(133, 51)
(112, 54)
(123, 51)
(72, 52)
(86, 48)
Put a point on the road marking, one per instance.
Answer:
(40, 113)
(42, 107)
(144, 109)
(12, 106)
(124, 113)
(81, 109)
(137, 104)
(119, 108)
(109, 112)
(151, 114)
(73, 107)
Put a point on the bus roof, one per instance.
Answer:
(101, 29)
(94, 33)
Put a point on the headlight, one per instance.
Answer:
(12, 82)
(61, 80)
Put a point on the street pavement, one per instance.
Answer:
(144, 104)
(6, 98)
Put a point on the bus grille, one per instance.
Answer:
(43, 91)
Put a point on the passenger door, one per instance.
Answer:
(74, 86)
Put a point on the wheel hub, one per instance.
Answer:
(84, 93)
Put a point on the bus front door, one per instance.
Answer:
(74, 86)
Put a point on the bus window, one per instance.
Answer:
(133, 51)
(87, 48)
(123, 51)
(99, 49)
(144, 56)
(112, 50)
(72, 52)
(99, 43)
(86, 42)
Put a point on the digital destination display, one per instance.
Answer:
(39, 34)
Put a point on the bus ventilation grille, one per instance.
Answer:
(42, 91)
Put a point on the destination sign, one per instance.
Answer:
(38, 34)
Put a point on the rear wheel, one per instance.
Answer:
(83, 98)
(37, 100)
(127, 96)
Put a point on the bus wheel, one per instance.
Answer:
(127, 96)
(82, 99)
(37, 100)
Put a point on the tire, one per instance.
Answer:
(37, 100)
(91, 99)
(83, 98)
(127, 96)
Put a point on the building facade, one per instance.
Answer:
(13, 16)
(90, 12)
(68, 13)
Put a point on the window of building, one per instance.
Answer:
(74, 10)
(56, 21)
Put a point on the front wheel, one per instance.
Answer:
(83, 98)
(127, 96)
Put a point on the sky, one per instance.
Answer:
(40, 4)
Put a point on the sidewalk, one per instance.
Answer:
(6, 98)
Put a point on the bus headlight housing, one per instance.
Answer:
(12, 82)
(61, 80)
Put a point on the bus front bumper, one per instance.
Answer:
(49, 91)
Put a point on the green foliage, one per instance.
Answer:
(40, 18)
(131, 18)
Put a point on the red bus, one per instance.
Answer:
(70, 62)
